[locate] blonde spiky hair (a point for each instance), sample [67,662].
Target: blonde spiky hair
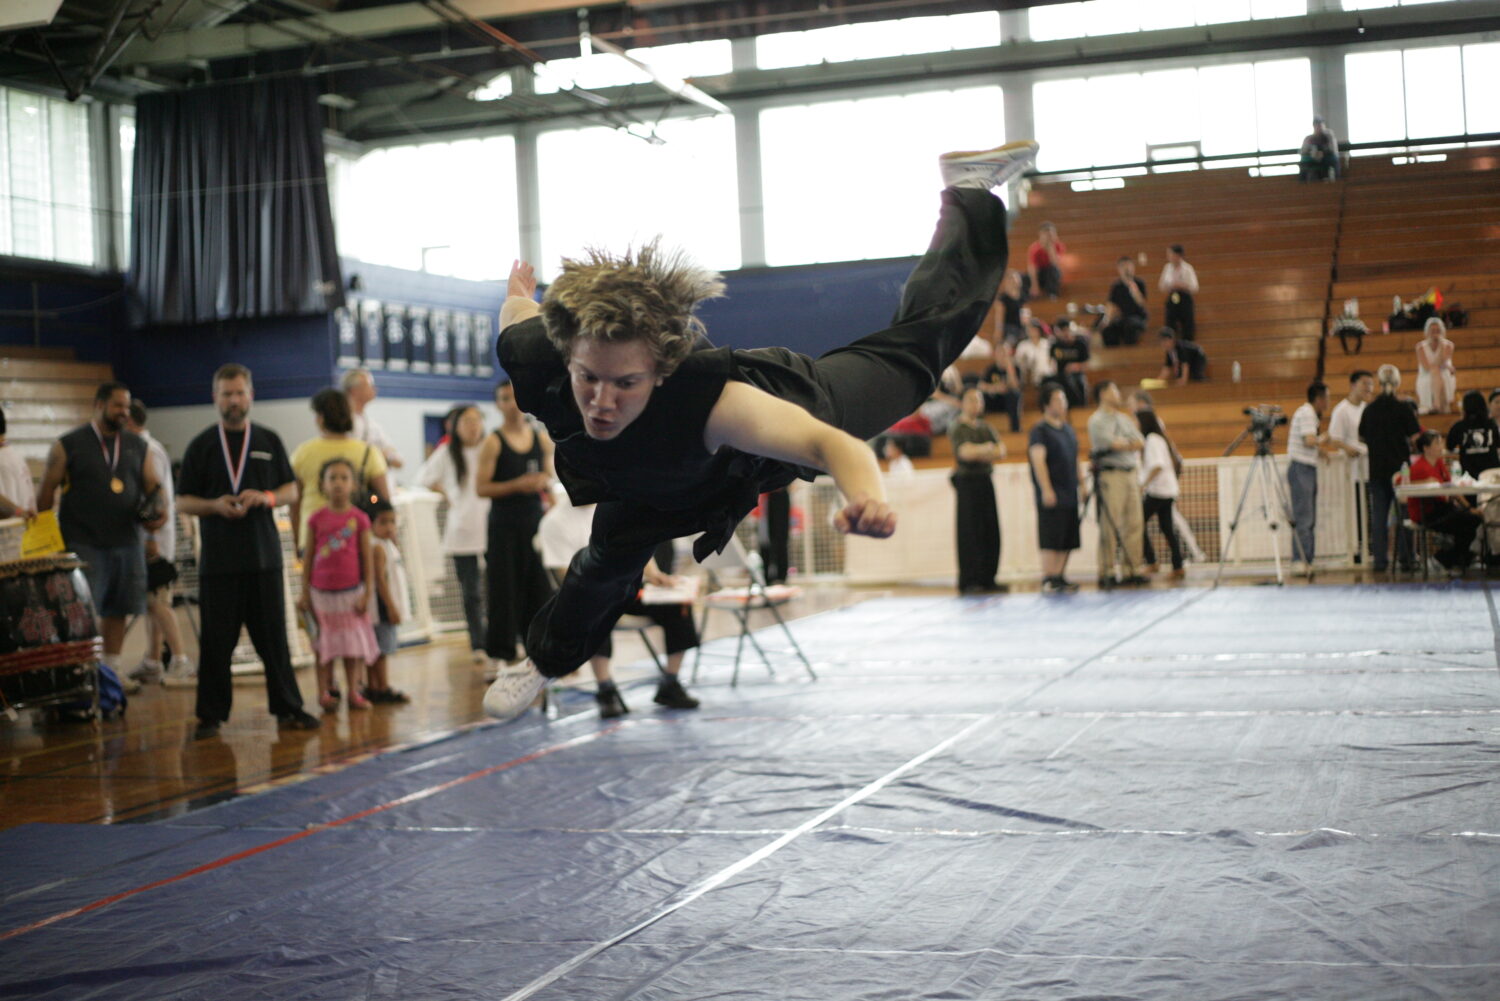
[647,294]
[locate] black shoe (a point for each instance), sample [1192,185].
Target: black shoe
[611,705]
[1134,580]
[298,720]
[997,588]
[671,694]
[1107,581]
[206,728]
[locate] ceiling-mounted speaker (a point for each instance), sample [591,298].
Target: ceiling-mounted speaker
[17,14]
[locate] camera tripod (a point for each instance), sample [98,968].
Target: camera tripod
[1263,472]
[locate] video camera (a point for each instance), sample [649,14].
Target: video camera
[1264,420]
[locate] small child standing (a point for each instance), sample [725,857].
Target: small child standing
[338,577]
[390,599]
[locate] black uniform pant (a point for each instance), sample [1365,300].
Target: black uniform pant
[516,583]
[867,387]
[976,530]
[252,600]
[1180,315]
[1160,508]
[776,530]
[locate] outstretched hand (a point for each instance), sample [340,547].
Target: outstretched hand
[864,516]
[522,280]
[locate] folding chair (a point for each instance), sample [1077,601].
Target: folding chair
[740,602]
[637,624]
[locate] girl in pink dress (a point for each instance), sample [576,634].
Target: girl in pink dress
[337,581]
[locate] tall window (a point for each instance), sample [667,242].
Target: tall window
[907,36]
[853,180]
[1118,17]
[447,208]
[606,188]
[126,139]
[1420,93]
[1111,119]
[1370,4]
[46,198]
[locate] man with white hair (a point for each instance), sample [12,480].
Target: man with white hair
[1388,427]
[359,385]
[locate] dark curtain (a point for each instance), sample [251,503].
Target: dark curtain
[230,214]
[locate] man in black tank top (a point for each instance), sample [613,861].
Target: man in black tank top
[103,473]
[672,438]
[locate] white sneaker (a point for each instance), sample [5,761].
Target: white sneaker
[184,668]
[147,672]
[513,691]
[988,168]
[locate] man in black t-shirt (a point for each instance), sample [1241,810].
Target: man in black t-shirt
[1053,454]
[1070,355]
[1184,359]
[1387,427]
[234,476]
[1125,315]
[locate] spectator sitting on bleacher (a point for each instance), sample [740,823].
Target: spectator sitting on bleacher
[1125,315]
[1001,387]
[1454,517]
[897,465]
[1437,379]
[1474,437]
[1184,359]
[1320,154]
[1011,299]
[1179,283]
[1494,401]
[1044,264]
[1034,355]
[1070,356]
[1350,325]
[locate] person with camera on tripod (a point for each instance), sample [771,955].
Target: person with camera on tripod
[1115,445]
[1305,448]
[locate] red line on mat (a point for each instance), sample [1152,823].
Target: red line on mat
[220,863]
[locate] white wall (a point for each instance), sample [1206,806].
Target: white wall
[402,420]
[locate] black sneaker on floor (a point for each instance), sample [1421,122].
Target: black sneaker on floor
[671,694]
[611,704]
[298,720]
[1134,580]
[1107,581]
[206,728]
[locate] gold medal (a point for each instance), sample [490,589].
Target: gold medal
[117,485]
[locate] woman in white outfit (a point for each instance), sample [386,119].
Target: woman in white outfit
[1437,379]
[450,471]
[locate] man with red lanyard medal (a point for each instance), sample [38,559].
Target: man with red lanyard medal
[104,478]
[234,475]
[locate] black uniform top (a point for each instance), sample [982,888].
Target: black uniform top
[1075,349]
[517,509]
[1061,444]
[1387,426]
[659,460]
[1477,443]
[91,513]
[243,544]
[980,433]
[1121,297]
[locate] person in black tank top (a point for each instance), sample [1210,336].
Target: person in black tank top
[514,480]
[672,437]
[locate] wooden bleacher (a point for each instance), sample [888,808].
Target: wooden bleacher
[1409,227]
[1264,252]
[45,393]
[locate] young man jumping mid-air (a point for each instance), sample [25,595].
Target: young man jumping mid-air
[672,437]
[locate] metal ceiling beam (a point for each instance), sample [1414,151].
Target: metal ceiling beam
[1351,28]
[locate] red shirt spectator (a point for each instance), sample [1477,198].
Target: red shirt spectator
[1039,256]
[1418,508]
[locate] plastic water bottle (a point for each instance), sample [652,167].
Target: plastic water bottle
[1234,372]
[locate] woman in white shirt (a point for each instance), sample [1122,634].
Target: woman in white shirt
[1159,482]
[1034,356]
[1179,282]
[450,471]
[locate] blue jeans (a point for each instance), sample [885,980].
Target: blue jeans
[1382,499]
[1303,480]
[466,569]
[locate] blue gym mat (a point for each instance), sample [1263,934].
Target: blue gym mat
[1236,794]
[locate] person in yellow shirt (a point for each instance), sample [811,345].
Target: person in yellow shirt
[335,441]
